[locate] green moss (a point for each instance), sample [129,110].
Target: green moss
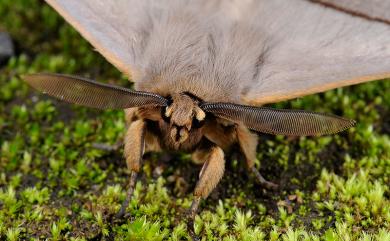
[55,185]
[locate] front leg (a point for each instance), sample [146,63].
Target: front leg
[210,175]
[248,144]
[134,149]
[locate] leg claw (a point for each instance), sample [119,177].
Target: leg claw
[262,181]
[129,194]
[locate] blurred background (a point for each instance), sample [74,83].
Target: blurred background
[54,184]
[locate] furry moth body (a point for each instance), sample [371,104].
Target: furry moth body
[200,67]
[185,122]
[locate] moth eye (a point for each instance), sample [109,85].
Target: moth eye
[196,123]
[169,99]
[164,116]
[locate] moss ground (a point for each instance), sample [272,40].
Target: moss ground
[54,185]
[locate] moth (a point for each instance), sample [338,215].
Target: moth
[202,70]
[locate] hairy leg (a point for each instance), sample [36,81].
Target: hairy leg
[134,149]
[210,175]
[221,132]
[248,143]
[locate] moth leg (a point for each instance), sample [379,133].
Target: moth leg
[220,132]
[134,149]
[210,175]
[107,147]
[199,156]
[248,143]
[202,152]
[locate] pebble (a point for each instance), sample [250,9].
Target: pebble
[6,47]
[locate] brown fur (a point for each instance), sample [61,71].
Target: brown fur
[248,144]
[206,142]
[220,132]
[134,145]
[211,173]
[199,155]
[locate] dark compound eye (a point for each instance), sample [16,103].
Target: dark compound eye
[169,99]
[196,123]
[164,117]
[163,110]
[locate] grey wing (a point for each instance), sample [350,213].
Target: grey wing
[312,47]
[163,45]
[117,29]
[120,30]
[377,10]
[240,51]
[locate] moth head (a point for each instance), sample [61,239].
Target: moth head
[183,114]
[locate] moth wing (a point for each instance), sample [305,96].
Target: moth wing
[110,26]
[308,47]
[313,47]
[374,10]
[120,29]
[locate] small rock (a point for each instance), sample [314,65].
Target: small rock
[6,47]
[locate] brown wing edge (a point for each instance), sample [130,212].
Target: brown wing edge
[313,90]
[375,16]
[95,43]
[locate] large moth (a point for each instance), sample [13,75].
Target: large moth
[202,69]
